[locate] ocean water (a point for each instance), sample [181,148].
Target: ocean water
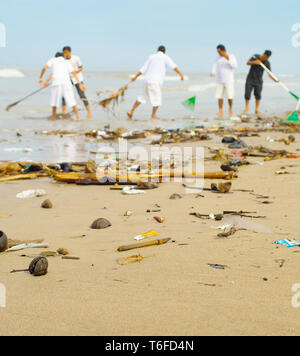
[32,115]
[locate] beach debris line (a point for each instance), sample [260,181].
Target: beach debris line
[38,267]
[143,244]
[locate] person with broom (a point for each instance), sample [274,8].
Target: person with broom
[61,84]
[77,65]
[255,79]
[154,71]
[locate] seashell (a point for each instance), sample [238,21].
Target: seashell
[175,196]
[47,204]
[39,266]
[100,224]
[159,219]
[3,242]
[128,213]
[63,251]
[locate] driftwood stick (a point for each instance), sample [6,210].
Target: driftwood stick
[143,244]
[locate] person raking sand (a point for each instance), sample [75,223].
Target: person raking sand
[255,79]
[61,84]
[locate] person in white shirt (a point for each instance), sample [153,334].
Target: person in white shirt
[77,65]
[154,71]
[223,69]
[61,84]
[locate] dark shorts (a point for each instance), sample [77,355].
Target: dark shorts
[256,86]
[81,95]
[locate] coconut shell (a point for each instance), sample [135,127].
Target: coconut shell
[47,204]
[100,224]
[3,242]
[39,266]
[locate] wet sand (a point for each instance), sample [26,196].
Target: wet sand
[171,292]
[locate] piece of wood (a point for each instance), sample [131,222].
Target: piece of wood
[143,244]
[18,177]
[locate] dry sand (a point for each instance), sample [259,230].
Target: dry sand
[173,291]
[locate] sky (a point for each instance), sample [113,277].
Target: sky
[121,34]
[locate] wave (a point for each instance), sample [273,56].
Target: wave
[201,88]
[11,73]
[168,78]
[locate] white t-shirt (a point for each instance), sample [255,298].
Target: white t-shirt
[61,70]
[154,70]
[76,63]
[224,69]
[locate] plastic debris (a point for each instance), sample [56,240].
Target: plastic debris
[288,243]
[31,194]
[132,191]
[146,236]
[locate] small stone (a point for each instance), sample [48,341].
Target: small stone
[47,204]
[63,251]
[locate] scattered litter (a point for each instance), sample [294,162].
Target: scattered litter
[128,260]
[288,243]
[70,258]
[217,266]
[132,191]
[143,244]
[160,220]
[175,196]
[63,251]
[38,267]
[146,236]
[31,193]
[280,262]
[233,221]
[232,231]
[25,246]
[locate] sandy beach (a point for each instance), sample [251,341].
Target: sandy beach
[173,291]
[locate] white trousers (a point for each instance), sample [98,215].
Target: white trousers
[223,88]
[152,92]
[62,91]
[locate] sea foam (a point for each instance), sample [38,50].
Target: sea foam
[11,73]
